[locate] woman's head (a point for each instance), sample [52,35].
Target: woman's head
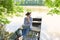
[28,14]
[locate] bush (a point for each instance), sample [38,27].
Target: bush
[18,9]
[54,4]
[3,16]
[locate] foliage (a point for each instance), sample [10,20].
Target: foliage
[18,2]
[8,4]
[8,8]
[28,10]
[3,16]
[18,9]
[54,5]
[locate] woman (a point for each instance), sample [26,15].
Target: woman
[27,24]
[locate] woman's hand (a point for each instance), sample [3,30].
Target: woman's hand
[28,19]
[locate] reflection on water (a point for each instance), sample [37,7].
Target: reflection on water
[50,27]
[16,23]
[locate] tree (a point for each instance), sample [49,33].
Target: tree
[6,6]
[6,10]
[54,5]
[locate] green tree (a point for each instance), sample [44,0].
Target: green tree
[54,5]
[7,9]
[8,4]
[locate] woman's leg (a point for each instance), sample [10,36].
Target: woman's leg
[24,33]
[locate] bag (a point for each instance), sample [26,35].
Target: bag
[25,27]
[19,33]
